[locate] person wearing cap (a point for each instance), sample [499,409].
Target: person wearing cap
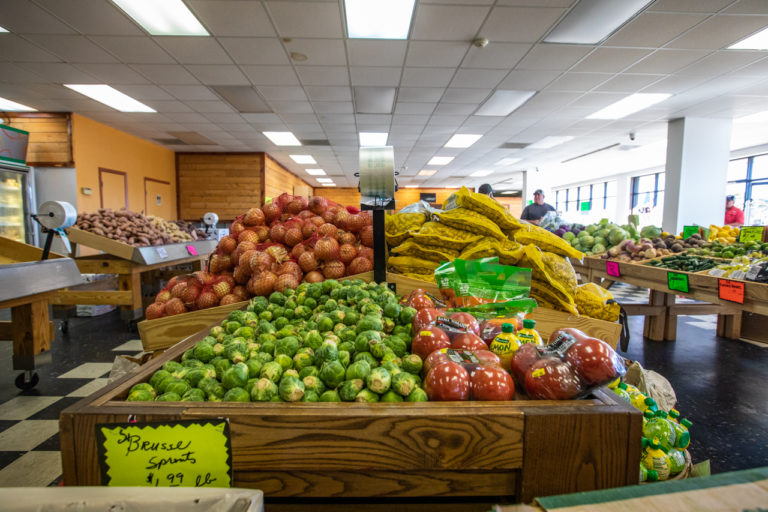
[535,211]
[486,189]
[733,215]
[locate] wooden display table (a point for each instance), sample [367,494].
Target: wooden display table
[316,456]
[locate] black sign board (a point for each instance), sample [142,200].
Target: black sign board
[428,197]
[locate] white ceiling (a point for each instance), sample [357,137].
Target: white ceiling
[440,78]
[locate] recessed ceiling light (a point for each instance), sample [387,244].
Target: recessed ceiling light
[324,180]
[3,30]
[110,97]
[15,107]
[329,184]
[378,19]
[426,172]
[480,174]
[440,160]
[503,103]
[508,161]
[316,172]
[758,41]
[629,105]
[303,159]
[373,138]
[282,138]
[163,17]
[591,21]
[550,142]
[759,117]
[412,186]
[462,140]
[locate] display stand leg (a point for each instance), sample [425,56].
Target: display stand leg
[132,283]
[729,326]
[655,326]
[379,248]
[670,326]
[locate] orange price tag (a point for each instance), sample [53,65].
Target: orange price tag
[732,291]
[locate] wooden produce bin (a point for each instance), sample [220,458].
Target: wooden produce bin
[331,456]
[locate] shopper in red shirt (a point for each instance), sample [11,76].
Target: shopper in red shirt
[733,216]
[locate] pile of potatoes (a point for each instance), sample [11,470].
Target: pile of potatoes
[125,226]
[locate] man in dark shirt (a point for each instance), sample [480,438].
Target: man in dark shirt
[534,212]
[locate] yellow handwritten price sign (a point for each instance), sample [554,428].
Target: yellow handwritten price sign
[173,454]
[751,234]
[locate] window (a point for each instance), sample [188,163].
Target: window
[600,199]
[759,167]
[648,198]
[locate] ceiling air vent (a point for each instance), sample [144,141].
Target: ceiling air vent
[315,142]
[171,142]
[514,145]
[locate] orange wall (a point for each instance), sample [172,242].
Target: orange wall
[96,145]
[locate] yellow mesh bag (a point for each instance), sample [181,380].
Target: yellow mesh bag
[485,248]
[400,226]
[486,206]
[427,278]
[544,293]
[411,247]
[595,301]
[464,218]
[510,252]
[546,241]
[441,235]
[411,265]
[557,272]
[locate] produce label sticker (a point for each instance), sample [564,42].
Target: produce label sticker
[162,252]
[751,234]
[690,231]
[173,454]
[612,268]
[732,291]
[677,281]
[191,250]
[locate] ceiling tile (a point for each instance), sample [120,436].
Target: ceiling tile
[719,31]
[447,23]
[233,18]
[721,62]
[597,100]
[92,18]
[414,108]
[367,52]
[675,84]
[168,106]
[578,81]
[271,75]
[375,76]
[321,93]
[333,107]
[495,56]
[607,60]
[519,24]
[233,119]
[748,7]
[410,119]
[72,48]
[759,68]
[113,73]
[205,107]
[461,95]
[190,92]
[24,17]
[323,75]
[436,53]
[628,82]
[146,92]
[195,50]
[11,73]
[219,75]
[134,50]
[306,19]
[416,94]
[59,73]
[654,29]
[427,77]
[165,74]
[526,80]
[478,77]
[537,3]
[689,5]
[14,48]
[320,52]
[553,56]
[255,50]
[667,61]
[276,92]
[337,119]
[455,108]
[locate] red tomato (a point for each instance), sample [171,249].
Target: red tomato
[424,319]
[472,325]
[447,382]
[491,383]
[523,359]
[488,358]
[428,340]
[468,341]
[551,379]
[489,330]
[420,302]
[594,361]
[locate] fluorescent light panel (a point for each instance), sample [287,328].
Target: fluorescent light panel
[111,97]
[303,159]
[758,41]
[550,142]
[503,103]
[412,186]
[462,140]
[316,172]
[3,30]
[329,184]
[426,172]
[373,138]
[282,138]
[378,19]
[8,105]
[163,17]
[591,21]
[508,161]
[374,100]
[440,160]
[629,105]
[324,180]
[480,174]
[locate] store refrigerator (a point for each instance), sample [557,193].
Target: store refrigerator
[17,187]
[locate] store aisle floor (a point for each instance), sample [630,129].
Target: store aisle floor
[720,386]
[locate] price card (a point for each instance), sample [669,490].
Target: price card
[191,250]
[161,252]
[690,230]
[732,291]
[751,234]
[677,281]
[173,454]
[612,268]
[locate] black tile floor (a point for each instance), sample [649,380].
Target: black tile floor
[721,386]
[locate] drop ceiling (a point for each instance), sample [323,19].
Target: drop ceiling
[421,91]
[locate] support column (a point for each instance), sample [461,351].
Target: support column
[698,150]
[623,191]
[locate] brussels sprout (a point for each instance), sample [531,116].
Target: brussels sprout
[218,350]
[165,383]
[195,376]
[236,352]
[344,358]
[367,395]
[265,327]
[221,366]
[404,383]
[188,354]
[272,371]
[168,397]
[391,396]
[417,395]
[331,306]
[265,315]
[291,389]
[280,322]
[401,330]
[313,383]
[144,386]
[284,361]
[390,357]
[193,395]
[347,335]
[235,377]
[362,340]
[392,310]
[277,298]
[140,395]
[370,323]
[332,374]
[311,302]
[347,346]
[302,360]
[208,385]
[330,395]
[172,366]
[263,391]
[358,370]
[264,357]
[192,364]
[350,388]
[392,367]
[288,346]
[406,315]
[236,395]
[217,332]
[290,372]
[313,339]
[231,326]
[378,380]
[325,324]
[327,352]
[372,362]
[302,312]
[309,370]
[372,310]
[181,374]
[377,349]
[389,325]
[245,332]
[254,367]
[310,396]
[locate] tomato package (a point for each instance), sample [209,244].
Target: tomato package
[457,375]
[481,281]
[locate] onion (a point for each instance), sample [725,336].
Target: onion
[314,277]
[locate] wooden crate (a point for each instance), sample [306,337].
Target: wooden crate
[304,454]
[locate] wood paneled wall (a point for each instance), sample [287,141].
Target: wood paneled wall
[513,204]
[50,138]
[345,196]
[279,180]
[225,183]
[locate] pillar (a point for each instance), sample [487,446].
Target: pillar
[698,150]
